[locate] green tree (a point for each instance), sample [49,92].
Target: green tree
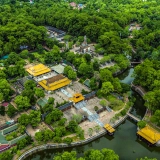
[39,92]
[67,69]
[141,124]
[93,155]
[156,117]
[22,103]
[67,140]
[106,88]
[2,110]
[109,154]
[103,102]
[62,122]
[24,54]
[146,158]
[2,74]
[57,139]
[90,131]
[66,156]
[88,57]
[39,136]
[97,128]
[5,90]
[7,155]
[48,135]
[77,118]
[34,118]
[55,115]
[11,110]
[80,132]
[29,84]
[72,126]
[72,75]
[24,119]
[85,70]
[106,75]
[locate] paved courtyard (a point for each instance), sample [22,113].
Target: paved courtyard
[32,131]
[77,87]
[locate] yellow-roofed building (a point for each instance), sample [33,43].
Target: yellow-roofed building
[110,129]
[38,70]
[150,134]
[77,97]
[55,82]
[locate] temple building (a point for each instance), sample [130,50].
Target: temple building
[77,97]
[55,82]
[110,130]
[38,70]
[149,134]
[84,48]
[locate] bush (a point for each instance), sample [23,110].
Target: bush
[141,124]
[96,108]
[57,139]
[123,112]
[68,140]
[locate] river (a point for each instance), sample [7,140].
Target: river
[124,142]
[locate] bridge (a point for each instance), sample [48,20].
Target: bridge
[136,62]
[133,117]
[138,89]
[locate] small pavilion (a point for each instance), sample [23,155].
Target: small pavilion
[109,129]
[149,134]
[38,70]
[77,97]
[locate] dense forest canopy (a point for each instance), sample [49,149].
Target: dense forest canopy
[104,22]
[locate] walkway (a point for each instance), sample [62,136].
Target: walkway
[138,89]
[133,117]
[93,117]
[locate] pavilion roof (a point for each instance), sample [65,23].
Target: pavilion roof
[54,79]
[58,68]
[55,82]
[150,134]
[38,70]
[109,128]
[77,97]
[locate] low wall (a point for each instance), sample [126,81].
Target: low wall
[73,144]
[61,145]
